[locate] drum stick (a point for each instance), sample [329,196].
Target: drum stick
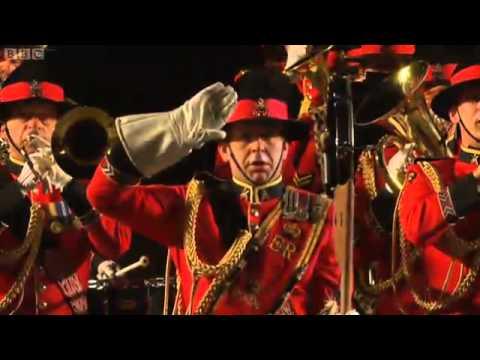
[142,263]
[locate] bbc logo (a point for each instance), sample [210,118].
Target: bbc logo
[24,53]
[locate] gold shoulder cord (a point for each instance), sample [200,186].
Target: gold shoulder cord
[367,167]
[381,286]
[314,236]
[178,304]
[33,237]
[197,266]
[467,282]
[9,257]
[432,176]
[223,270]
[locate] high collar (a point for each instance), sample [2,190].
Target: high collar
[257,194]
[14,166]
[469,155]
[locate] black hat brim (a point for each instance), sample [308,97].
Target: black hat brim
[443,102]
[62,107]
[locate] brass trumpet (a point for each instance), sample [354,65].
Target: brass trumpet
[81,139]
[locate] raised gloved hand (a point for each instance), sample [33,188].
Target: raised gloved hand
[295,53]
[45,165]
[154,142]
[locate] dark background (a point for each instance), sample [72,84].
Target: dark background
[136,79]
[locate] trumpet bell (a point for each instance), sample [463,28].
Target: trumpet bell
[81,139]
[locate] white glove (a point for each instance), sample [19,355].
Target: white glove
[295,53]
[154,142]
[45,165]
[27,178]
[107,270]
[333,308]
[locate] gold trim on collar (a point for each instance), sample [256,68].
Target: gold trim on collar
[253,191]
[470,151]
[17,162]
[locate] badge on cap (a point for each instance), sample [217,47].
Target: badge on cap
[36,89]
[261,108]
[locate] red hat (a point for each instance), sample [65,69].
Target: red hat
[25,90]
[383,58]
[463,78]
[30,82]
[368,50]
[438,74]
[263,99]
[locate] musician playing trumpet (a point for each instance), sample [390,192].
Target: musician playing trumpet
[45,253]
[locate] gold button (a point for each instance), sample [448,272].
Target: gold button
[43,287]
[56,227]
[255,213]
[43,305]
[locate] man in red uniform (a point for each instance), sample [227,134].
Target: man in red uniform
[45,251]
[375,203]
[245,246]
[438,210]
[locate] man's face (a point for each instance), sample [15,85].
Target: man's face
[29,119]
[468,110]
[258,150]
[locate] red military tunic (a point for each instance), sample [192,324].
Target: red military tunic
[288,267]
[438,212]
[58,281]
[301,167]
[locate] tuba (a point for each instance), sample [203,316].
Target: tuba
[399,106]
[81,139]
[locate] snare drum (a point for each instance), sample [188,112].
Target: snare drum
[131,297]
